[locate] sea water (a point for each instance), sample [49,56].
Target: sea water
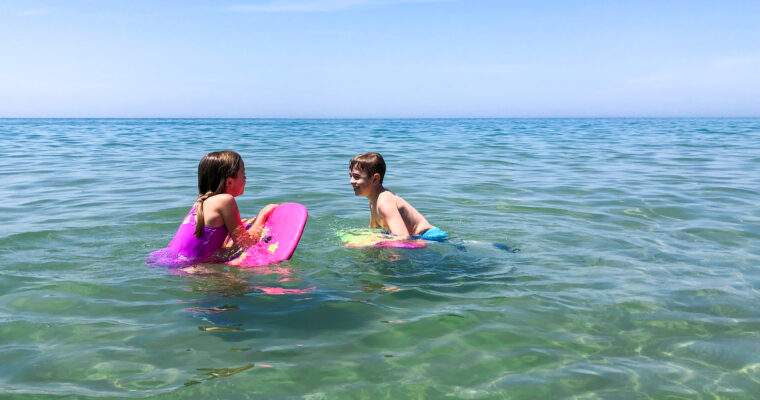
[588,258]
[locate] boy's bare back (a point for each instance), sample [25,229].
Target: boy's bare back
[395,214]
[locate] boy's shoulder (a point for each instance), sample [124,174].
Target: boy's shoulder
[386,198]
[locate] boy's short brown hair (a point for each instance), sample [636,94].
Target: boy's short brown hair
[371,163]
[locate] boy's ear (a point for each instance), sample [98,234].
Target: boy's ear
[375,177]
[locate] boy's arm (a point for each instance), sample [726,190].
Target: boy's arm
[389,212]
[373,222]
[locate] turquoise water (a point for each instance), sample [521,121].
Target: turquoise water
[590,258]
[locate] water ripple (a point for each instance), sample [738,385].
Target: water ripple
[589,258]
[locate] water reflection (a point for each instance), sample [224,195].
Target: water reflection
[217,282]
[226,281]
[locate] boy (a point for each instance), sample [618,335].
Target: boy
[386,209]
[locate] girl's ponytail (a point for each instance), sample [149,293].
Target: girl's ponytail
[200,223]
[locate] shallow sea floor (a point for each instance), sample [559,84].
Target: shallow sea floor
[589,258]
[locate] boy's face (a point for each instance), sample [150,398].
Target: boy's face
[361,182]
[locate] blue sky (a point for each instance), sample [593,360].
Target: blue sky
[379,58]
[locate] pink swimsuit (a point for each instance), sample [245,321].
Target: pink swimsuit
[186,249]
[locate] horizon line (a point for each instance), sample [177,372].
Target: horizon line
[408,118]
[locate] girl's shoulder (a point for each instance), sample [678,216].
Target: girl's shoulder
[220,200]
[216,207]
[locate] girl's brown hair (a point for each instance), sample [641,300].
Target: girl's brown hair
[213,171]
[371,163]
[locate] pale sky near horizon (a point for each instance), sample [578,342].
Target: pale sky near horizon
[379,58]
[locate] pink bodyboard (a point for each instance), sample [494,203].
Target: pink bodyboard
[279,237]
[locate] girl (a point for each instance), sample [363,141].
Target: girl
[214,216]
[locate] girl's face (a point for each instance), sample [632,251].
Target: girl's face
[235,186]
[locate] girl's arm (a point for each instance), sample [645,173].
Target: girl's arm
[255,230]
[228,208]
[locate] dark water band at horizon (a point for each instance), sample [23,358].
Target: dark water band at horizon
[637,271]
